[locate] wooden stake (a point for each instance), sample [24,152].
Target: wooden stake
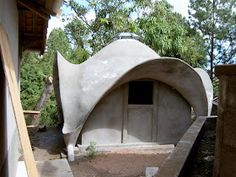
[16,103]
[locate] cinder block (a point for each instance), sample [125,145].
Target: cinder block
[151,171]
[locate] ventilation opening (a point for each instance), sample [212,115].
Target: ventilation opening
[140,92]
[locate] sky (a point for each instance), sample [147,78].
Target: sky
[180,6]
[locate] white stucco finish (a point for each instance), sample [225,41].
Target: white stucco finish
[82,86]
[9,20]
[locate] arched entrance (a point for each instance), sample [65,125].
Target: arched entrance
[140,111]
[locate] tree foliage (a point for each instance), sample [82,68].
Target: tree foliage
[35,69]
[165,31]
[168,33]
[216,22]
[111,17]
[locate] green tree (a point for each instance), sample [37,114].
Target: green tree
[36,69]
[166,32]
[111,17]
[216,22]
[169,34]
[58,41]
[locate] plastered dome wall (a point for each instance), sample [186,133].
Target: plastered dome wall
[127,83]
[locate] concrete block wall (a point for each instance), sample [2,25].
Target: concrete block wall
[225,154]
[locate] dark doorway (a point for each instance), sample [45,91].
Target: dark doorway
[140,92]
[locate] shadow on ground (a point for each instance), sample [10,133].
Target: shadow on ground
[47,144]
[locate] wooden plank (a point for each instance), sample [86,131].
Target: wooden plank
[37,8]
[31,112]
[16,103]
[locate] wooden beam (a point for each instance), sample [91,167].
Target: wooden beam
[10,75]
[37,8]
[33,46]
[31,42]
[36,35]
[31,112]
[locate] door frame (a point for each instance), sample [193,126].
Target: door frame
[126,106]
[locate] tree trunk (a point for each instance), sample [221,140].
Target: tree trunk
[212,42]
[212,57]
[42,100]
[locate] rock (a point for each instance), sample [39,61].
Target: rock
[63,155]
[32,129]
[151,171]
[209,158]
[42,128]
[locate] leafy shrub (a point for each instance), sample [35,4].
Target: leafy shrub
[91,149]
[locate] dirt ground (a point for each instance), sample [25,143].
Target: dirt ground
[125,163]
[49,144]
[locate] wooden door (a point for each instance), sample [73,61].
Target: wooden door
[139,118]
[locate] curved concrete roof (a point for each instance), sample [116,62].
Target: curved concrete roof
[82,86]
[208,87]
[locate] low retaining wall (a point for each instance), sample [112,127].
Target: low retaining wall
[179,161]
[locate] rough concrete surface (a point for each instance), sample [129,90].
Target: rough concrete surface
[82,86]
[54,168]
[114,122]
[48,168]
[225,154]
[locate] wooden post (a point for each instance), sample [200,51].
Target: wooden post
[16,103]
[225,152]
